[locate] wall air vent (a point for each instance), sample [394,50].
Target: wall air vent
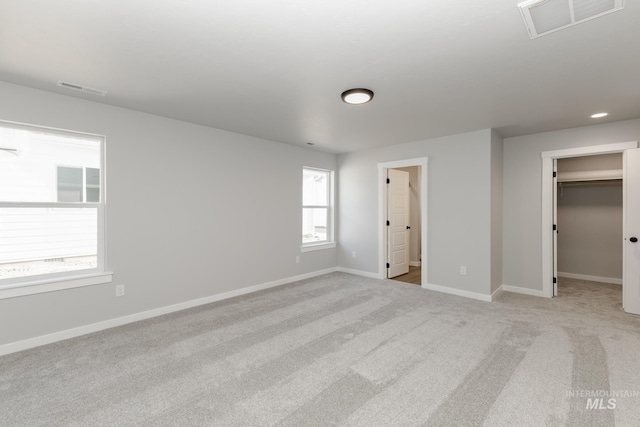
[542,17]
[81,88]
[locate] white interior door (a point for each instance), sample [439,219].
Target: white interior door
[631,233]
[398,225]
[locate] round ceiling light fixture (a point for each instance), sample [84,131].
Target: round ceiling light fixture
[599,115]
[357,96]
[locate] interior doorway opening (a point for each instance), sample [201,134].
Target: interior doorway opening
[631,218]
[403,213]
[589,218]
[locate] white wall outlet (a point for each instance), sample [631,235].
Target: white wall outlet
[353,254]
[463,270]
[297,259]
[119,290]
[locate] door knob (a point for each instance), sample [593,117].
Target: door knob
[633,239]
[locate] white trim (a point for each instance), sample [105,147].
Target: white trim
[523,291]
[112,323]
[317,246]
[361,273]
[591,150]
[52,285]
[547,200]
[58,131]
[415,263]
[591,278]
[457,292]
[423,163]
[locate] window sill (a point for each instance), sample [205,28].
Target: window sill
[317,247]
[54,284]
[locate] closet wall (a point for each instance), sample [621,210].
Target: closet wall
[590,221]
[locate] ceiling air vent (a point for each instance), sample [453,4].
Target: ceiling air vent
[84,89]
[542,17]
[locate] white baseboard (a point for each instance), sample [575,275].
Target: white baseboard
[360,273]
[112,323]
[458,292]
[591,278]
[415,263]
[524,291]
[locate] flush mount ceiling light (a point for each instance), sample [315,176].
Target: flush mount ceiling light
[599,115]
[357,96]
[542,17]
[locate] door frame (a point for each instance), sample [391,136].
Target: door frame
[422,162]
[548,157]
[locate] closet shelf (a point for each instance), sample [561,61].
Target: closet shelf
[601,175]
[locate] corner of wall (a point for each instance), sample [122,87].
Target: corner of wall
[497,166]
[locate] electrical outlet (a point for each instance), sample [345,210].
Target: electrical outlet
[297,259]
[119,290]
[353,254]
[463,270]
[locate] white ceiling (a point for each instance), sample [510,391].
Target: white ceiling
[275,69]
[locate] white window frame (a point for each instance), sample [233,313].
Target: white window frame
[330,242]
[36,284]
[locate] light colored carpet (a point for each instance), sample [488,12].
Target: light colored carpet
[343,350]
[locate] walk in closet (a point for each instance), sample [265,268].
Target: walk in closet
[589,209]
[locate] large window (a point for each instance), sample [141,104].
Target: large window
[317,209]
[51,205]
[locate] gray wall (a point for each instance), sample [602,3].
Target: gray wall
[522,220]
[459,208]
[194,212]
[191,212]
[497,147]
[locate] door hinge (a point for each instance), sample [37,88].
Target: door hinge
[555,280]
[388,181]
[388,266]
[555,174]
[388,223]
[555,227]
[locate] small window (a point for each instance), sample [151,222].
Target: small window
[78,184]
[51,210]
[317,209]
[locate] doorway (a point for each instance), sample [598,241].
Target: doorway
[631,215]
[589,211]
[403,219]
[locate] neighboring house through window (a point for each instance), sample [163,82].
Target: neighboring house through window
[78,184]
